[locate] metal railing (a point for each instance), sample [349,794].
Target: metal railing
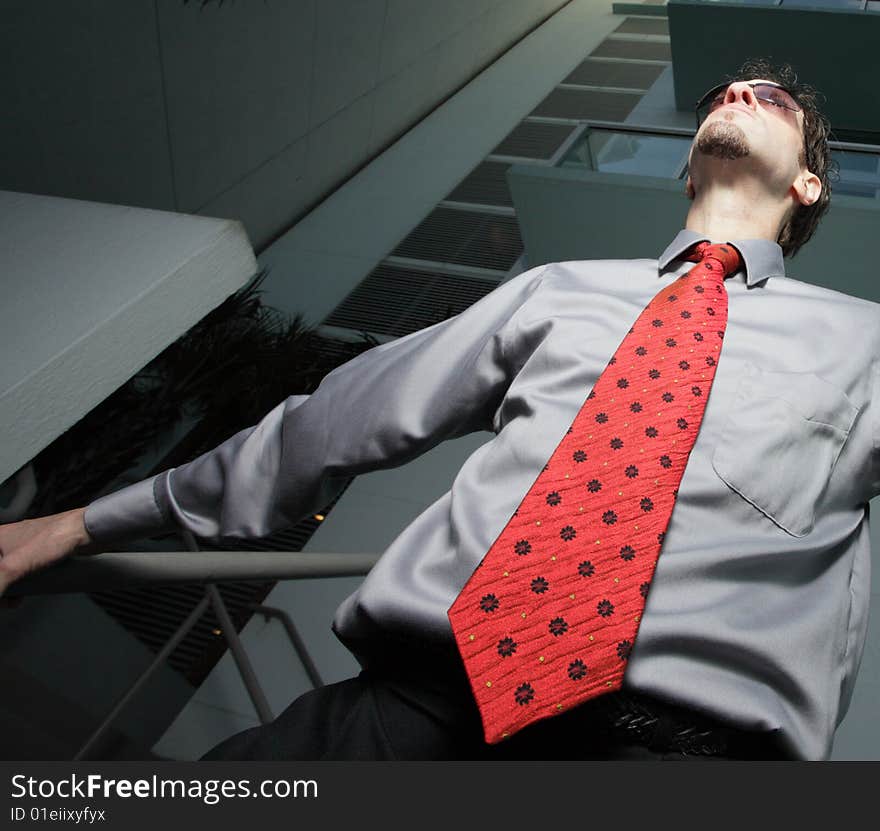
[104,572]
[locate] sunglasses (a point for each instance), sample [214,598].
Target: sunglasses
[770,95]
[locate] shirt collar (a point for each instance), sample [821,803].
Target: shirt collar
[762,257]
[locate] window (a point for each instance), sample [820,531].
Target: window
[642,154]
[859,174]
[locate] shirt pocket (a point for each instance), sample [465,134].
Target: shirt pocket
[781,441]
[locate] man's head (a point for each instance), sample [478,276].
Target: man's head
[788,149]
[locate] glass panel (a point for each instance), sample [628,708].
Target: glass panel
[747,2]
[826,4]
[635,153]
[859,174]
[643,154]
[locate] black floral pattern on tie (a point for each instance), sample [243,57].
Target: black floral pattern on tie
[524,693]
[539,585]
[577,669]
[506,647]
[558,626]
[489,603]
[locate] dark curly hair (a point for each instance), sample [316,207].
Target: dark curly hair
[815,153]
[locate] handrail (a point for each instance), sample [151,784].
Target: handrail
[141,681]
[117,570]
[123,570]
[690,132]
[296,641]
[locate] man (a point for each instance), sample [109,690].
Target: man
[756,615]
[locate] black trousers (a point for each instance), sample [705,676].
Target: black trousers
[404,712]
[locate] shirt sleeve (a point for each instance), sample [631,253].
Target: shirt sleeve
[381,409]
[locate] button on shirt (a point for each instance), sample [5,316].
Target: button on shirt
[757,611]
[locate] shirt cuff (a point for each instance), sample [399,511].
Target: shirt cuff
[128,514]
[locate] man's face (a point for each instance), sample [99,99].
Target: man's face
[769,138]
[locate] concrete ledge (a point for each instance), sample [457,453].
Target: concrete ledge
[91,293]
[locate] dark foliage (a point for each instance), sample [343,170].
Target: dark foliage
[225,374]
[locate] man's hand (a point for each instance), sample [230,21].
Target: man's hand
[32,544]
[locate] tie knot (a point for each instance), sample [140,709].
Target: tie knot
[724,254]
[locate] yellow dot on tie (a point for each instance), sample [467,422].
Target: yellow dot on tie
[581,508]
[592,638]
[702,374]
[659,411]
[541,659]
[571,597]
[554,560]
[673,441]
[590,436]
[566,476]
[504,735]
[692,350]
[598,542]
[644,389]
[607,683]
[637,527]
[620,493]
[642,450]
[662,357]
[675,380]
[471,637]
[616,579]
[523,614]
[507,574]
[656,481]
[638,617]
[626,424]
[558,706]
[537,522]
[488,683]
[612,399]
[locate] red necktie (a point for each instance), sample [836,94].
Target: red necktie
[549,617]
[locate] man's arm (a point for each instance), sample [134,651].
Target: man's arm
[379,410]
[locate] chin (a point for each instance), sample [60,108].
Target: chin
[722,140]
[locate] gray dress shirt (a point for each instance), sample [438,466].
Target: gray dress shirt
[757,612]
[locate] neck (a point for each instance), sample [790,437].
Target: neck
[723,212]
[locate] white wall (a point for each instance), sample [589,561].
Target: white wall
[253,110]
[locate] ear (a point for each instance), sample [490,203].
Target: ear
[807,188]
[689,188]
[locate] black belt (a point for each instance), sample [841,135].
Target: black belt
[625,716]
[635,718]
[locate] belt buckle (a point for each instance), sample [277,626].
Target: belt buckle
[688,740]
[633,720]
[658,727]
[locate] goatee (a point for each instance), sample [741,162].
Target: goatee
[724,140]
